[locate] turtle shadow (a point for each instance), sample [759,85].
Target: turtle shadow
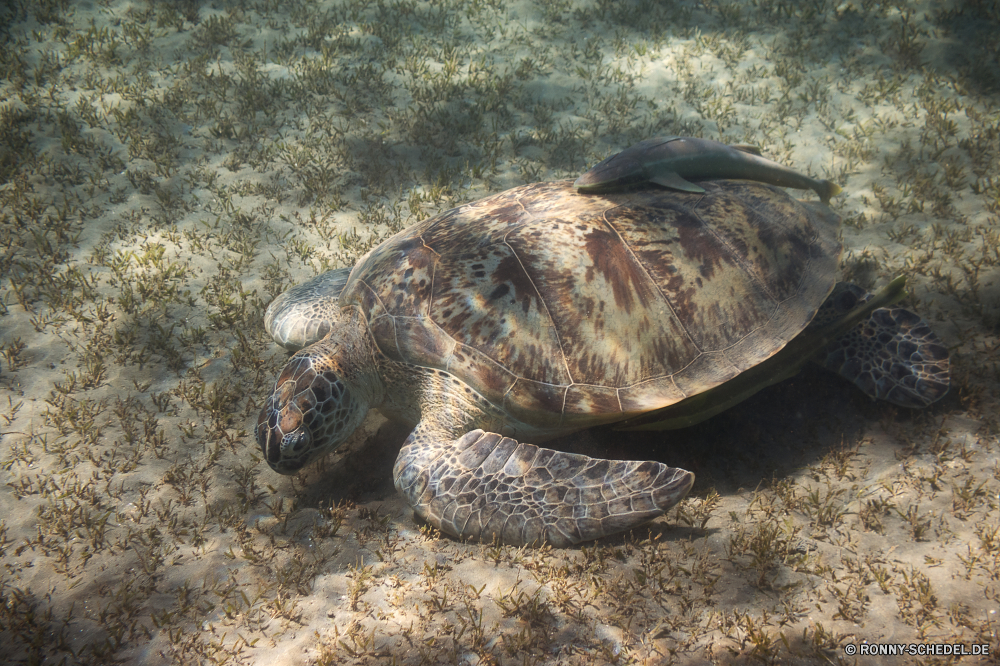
[781,429]
[360,471]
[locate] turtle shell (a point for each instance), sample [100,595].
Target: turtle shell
[568,309]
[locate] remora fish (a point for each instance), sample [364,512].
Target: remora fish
[670,160]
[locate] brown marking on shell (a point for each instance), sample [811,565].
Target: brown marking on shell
[651,295]
[487,301]
[616,264]
[511,279]
[400,274]
[606,340]
[421,342]
[596,400]
[493,380]
[715,277]
[535,402]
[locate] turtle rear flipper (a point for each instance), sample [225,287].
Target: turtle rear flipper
[484,486]
[893,355]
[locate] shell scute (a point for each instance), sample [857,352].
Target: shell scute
[493,380]
[499,314]
[420,342]
[384,329]
[589,399]
[400,274]
[536,402]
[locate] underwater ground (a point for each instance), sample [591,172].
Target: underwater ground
[168,166]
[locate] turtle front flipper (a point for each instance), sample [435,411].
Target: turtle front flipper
[892,355]
[483,486]
[307,312]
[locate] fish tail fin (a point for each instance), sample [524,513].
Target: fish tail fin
[827,189]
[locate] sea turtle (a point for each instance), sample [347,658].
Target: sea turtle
[540,311]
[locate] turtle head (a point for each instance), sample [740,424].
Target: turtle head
[311,410]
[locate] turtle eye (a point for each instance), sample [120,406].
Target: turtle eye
[294,448]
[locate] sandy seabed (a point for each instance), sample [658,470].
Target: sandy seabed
[168,167]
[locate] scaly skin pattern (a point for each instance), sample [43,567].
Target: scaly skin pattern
[893,355]
[480,485]
[305,313]
[486,487]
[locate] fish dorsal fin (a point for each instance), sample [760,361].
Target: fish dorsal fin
[744,148]
[673,181]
